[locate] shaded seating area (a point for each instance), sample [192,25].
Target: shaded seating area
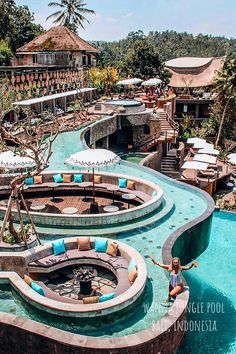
[80,184]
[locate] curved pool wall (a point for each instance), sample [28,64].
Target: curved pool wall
[192,207]
[212,296]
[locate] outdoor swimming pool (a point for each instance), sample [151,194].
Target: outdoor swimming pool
[213,287]
[133,157]
[124,103]
[188,205]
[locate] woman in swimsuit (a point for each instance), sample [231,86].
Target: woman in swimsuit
[176,279]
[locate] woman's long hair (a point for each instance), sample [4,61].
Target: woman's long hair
[171,267]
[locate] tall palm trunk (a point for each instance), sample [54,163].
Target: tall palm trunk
[222,122]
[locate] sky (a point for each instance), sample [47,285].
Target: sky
[114,19]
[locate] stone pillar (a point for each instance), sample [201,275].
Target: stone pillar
[106,142]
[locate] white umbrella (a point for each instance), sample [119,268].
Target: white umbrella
[204,158]
[195,165]
[129,82]
[209,150]
[12,161]
[93,158]
[195,140]
[152,82]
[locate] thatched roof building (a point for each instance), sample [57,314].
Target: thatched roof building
[193,72]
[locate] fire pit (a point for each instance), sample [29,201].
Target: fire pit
[84,276]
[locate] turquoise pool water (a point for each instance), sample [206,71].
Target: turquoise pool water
[213,288]
[133,157]
[124,103]
[207,289]
[188,205]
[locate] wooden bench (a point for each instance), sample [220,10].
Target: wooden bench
[143,197]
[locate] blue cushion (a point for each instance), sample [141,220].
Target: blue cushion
[37,288]
[132,264]
[58,178]
[58,247]
[122,183]
[29,181]
[107,297]
[154,193]
[78,178]
[100,245]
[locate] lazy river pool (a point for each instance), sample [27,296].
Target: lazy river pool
[188,205]
[212,300]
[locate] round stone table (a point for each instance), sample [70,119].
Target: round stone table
[84,185]
[113,189]
[111,209]
[69,210]
[128,198]
[37,207]
[53,185]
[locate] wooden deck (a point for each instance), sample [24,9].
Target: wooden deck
[57,204]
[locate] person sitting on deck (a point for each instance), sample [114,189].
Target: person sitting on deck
[175,269]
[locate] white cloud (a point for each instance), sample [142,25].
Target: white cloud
[129,14]
[111,19]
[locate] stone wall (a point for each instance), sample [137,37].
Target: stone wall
[153,160]
[102,129]
[193,242]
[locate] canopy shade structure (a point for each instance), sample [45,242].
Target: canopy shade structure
[195,165]
[204,158]
[93,158]
[129,82]
[195,140]
[209,150]
[202,145]
[12,161]
[56,96]
[152,82]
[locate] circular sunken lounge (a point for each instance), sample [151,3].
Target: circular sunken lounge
[122,264]
[68,203]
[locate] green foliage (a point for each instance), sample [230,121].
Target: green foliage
[167,45]
[10,239]
[225,86]
[5,53]
[17,24]
[171,44]
[141,61]
[104,79]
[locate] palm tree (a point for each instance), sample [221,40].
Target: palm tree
[70,13]
[225,85]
